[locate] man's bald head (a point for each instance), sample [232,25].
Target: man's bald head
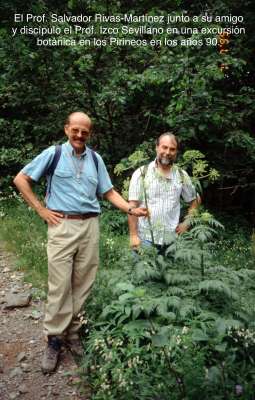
[168,134]
[78,115]
[78,128]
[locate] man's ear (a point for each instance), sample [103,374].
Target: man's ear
[66,129]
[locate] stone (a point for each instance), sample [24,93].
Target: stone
[1,363]
[21,357]
[26,367]
[13,395]
[17,300]
[15,289]
[48,384]
[15,372]
[23,388]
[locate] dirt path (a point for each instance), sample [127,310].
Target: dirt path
[22,344]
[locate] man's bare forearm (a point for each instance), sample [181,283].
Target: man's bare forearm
[117,200]
[24,185]
[132,225]
[132,220]
[184,226]
[194,204]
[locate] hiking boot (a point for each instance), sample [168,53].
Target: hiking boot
[51,354]
[75,347]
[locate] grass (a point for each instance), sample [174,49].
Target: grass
[25,235]
[234,246]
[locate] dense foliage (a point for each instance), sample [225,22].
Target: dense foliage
[133,93]
[181,324]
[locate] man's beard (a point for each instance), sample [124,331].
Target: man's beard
[165,161]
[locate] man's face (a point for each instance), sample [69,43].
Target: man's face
[78,131]
[166,151]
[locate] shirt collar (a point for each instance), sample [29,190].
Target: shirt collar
[155,167]
[71,150]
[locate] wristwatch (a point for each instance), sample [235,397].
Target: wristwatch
[130,210]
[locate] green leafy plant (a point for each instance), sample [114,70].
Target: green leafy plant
[191,159]
[180,316]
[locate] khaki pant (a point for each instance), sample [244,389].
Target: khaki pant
[72,265]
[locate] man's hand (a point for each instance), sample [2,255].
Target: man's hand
[139,212]
[24,184]
[134,241]
[184,226]
[181,228]
[51,217]
[117,200]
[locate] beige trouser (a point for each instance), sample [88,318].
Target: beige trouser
[72,265]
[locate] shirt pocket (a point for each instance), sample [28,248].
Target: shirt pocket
[63,173]
[175,191]
[91,189]
[62,179]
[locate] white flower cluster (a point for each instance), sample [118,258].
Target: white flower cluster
[134,362]
[122,382]
[114,342]
[99,344]
[12,195]
[110,243]
[107,356]
[243,334]
[178,339]
[105,385]
[185,330]
[82,319]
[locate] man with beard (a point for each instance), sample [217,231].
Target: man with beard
[71,212]
[164,184]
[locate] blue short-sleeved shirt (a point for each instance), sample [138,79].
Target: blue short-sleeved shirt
[75,182]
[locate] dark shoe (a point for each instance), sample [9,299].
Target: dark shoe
[75,347]
[51,354]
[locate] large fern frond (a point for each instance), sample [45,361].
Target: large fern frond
[214,285]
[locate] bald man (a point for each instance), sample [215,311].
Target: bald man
[71,212]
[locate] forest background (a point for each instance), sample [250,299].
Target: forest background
[133,93]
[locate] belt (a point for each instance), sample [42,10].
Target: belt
[78,216]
